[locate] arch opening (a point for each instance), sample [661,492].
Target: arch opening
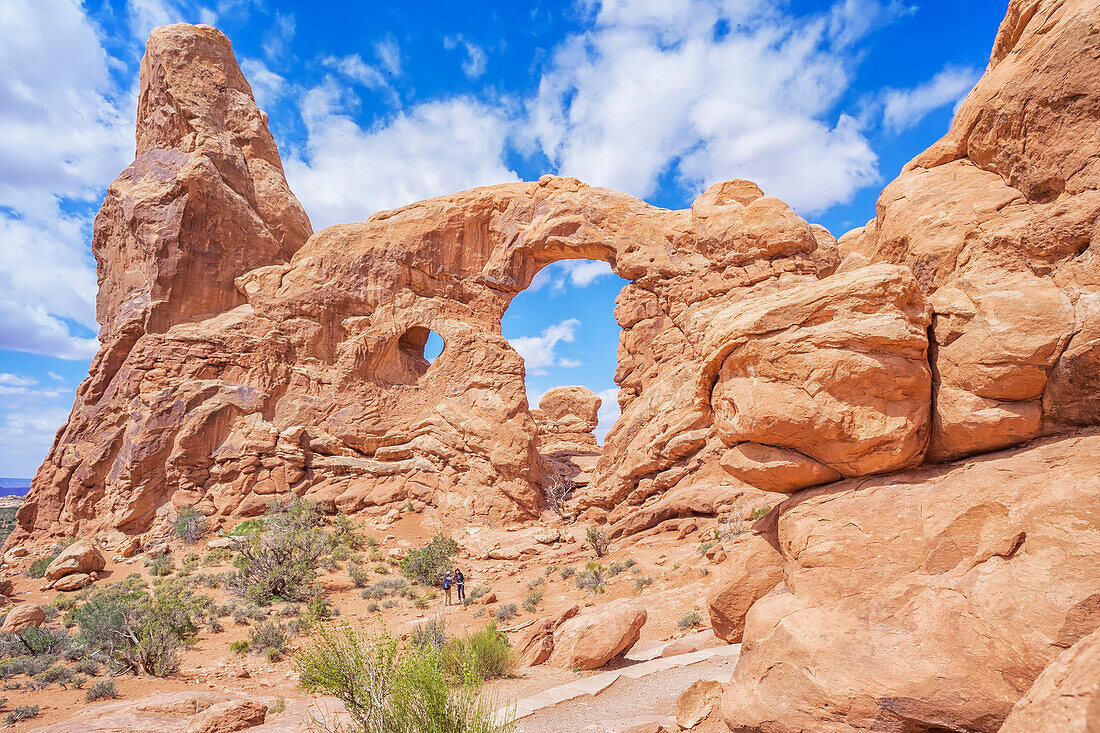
[563,325]
[418,348]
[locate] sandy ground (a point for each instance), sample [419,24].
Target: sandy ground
[680,575]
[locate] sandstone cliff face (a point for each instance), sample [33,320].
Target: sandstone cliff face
[932,599]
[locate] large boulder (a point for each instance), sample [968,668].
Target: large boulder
[229,716]
[23,617]
[1065,697]
[928,600]
[591,640]
[755,567]
[536,643]
[79,557]
[835,372]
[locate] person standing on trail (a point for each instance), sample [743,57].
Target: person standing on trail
[460,581]
[447,586]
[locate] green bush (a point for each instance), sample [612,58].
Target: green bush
[279,560]
[160,566]
[506,612]
[702,549]
[139,631]
[268,637]
[567,572]
[190,525]
[760,513]
[38,568]
[23,712]
[359,576]
[591,578]
[621,566]
[689,621]
[641,582]
[475,594]
[241,646]
[102,690]
[433,633]
[483,655]
[429,564]
[532,600]
[598,540]
[387,688]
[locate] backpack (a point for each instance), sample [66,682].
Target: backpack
[447,583]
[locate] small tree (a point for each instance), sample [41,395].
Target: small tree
[190,525]
[428,564]
[557,494]
[598,540]
[139,631]
[280,560]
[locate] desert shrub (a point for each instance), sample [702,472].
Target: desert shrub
[160,566]
[87,666]
[358,575]
[57,673]
[35,641]
[268,637]
[702,549]
[38,568]
[598,540]
[760,513]
[532,600]
[621,566]
[591,578]
[557,494]
[506,612]
[482,655]
[689,621]
[567,572]
[137,630]
[190,525]
[245,612]
[343,533]
[421,603]
[102,690]
[217,556]
[23,712]
[389,603]
[428,564]
[531,585]
[475,594]
[387,688]
[433,633]
[241,646]
[641,582]
[279,560]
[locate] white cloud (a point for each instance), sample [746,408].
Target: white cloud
[538,351]
[267,86]
[569,363]
[609,411]
[578,273]
[389,54]
[14,380]
[26,436]
[707,93]
[65,137]
[145,15]
[905,108]
[349,172]
[476,59]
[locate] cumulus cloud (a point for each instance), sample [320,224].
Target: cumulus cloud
[578,273]
[276,41]
[538,351]
[707,92]
[67,133]
[26,436]
[905,108]
[348,172]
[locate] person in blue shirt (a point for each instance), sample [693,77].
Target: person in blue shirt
[447,586]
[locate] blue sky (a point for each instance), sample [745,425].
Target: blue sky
[375,105]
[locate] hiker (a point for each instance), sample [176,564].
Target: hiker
[460,581]
[447,586]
